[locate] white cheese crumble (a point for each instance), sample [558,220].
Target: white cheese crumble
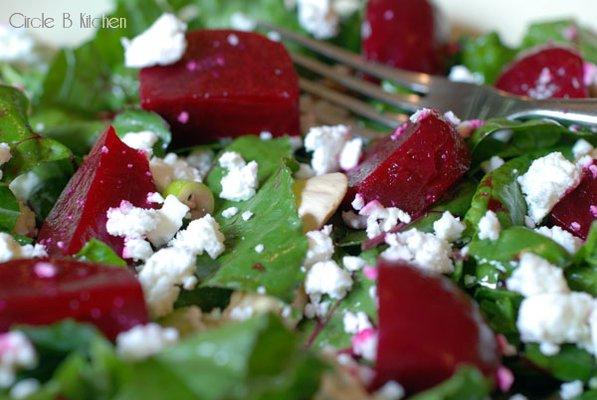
[136,249]
[358,203]
[423,250]
[460,73]
[25,224]
[171,168]
[242,22]
[355,322]
[246,215]
[581,148]
[327,278]
[201,235]
[229,212]
[163,43]
[564,238]
[16,352]
[552,319]
[259,248]
[24,388]
[534,276]
[143,140]
[364,344]
[143,341]
[155,197]
[353,220]
[448,227]
[321,247]
[304,172]
[571,390]
[319,18]
[5,155]
[163,274]
[546,182]
[489,226]
[130,221]
[10,249]
[327,144]
[201,160]
[240,182]
[381,219]
[353,263]
[169,219]
[391,390]
[351,154]
[492,164]
[23,185]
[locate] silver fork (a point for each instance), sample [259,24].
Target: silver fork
[467,101]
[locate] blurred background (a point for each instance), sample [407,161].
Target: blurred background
[508,17]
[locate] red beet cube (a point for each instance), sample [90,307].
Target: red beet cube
[427,329]
[228,83]
[577,210]
[405,34]
[546,72]
[44,291]
[414,167]
[112,172]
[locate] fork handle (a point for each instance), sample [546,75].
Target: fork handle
[577,111]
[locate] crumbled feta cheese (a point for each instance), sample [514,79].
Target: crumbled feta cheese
[155,197]
[381,219]
[351,154]
[24,388]
[355,322]
[319,18]
[571,390]
[169,219]
[143,341]
[16,45]
[564,238]
[424,250]
[24,185]
[201,235]
[143,140]
[201,160]
[5,155]
[130,221]
[246,215]
[448,227]
[304,172]
[345,8]
[16,352]
[452,118]
[489,226]
[391,390]
[163,43]
[136,249]
[554,318]
[492,164]
[364,344]
[358,203]
[163,274]
[259,248]
[242,22]
[229,212]
[321,247]
[172,168]
[326,277]
[420,115]
[327,144]
[460,73]
[534,275]
[240,182]
[265,135]
[10,249]
[518,396]
[546,182]
[581,148]
[352,263]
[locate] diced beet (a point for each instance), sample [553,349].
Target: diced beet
[414,167]
[577,210]
[44,291]
[112,172]
[427,329]
[227,84]
[545,72]
[405,34]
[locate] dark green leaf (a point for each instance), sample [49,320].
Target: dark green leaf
[500,309]
[96,251]
[570,364]
[467,383]
[487,55]
[9,209]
